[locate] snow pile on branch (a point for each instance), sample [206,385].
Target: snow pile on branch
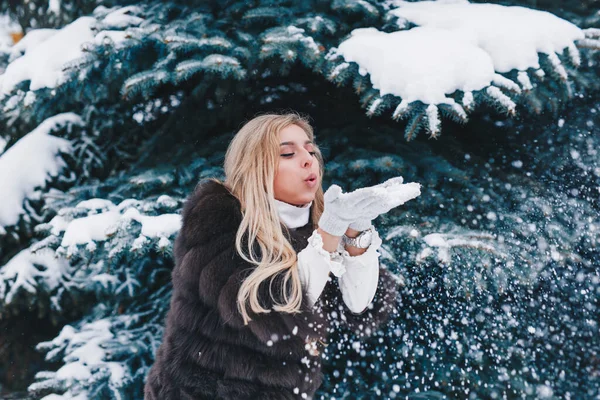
[457,46]
[47,51]
[100,226]
[419,64]
[22,270]
[512,36]
[28,163]
[87,359]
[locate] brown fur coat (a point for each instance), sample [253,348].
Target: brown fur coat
[207,352]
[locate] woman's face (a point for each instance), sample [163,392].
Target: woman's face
[297,161]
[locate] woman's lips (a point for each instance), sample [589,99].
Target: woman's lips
[312,180]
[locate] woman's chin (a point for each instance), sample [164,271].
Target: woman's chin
[304,200]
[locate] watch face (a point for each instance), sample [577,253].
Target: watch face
[365,239]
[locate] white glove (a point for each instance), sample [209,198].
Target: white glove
[341,209]
[364,224]
[402,192]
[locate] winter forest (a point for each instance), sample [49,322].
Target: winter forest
[113,110]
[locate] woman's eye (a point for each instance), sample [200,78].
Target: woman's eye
[291,154]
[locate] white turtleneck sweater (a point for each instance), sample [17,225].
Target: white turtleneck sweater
[357,275]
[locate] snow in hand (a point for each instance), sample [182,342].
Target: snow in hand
[456,46]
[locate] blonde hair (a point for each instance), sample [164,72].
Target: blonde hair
[251,163]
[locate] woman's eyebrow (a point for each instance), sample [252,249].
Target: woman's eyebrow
[284,143]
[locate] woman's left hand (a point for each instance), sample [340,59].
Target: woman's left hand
[402,193]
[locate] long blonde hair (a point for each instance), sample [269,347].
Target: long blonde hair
[251,163]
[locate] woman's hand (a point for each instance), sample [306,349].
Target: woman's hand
[365,203]
[402,193]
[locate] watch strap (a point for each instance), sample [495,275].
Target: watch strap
[354,242]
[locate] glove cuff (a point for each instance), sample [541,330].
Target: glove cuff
[360,225]
[332,225]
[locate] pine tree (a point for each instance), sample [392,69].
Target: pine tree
[112,113]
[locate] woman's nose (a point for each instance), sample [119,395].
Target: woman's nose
[308,159]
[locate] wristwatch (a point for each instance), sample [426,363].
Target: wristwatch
[362,241]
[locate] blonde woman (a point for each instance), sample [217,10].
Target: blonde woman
[254,299]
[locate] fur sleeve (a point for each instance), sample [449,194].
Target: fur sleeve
[202,249]
[273,326]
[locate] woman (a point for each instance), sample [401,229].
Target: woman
[253,300]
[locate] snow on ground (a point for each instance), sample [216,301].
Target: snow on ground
[28,163]
[456,46]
